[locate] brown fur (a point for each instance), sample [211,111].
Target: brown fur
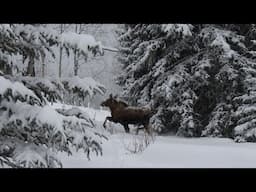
[125,115]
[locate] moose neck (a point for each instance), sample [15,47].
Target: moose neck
[113,108]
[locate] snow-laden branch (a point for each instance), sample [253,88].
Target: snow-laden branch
[16,90]
[86,85]
[105,48]
[82,42]
[185,29]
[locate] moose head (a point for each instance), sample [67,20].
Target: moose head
[111,101]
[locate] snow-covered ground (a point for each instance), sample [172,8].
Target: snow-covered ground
[163,151]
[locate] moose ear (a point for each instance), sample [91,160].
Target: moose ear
[110,96]
[116,96]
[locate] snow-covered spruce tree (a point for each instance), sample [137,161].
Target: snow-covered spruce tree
[192,76]
[245,113]
[150,54]
[234,115]
[32,132]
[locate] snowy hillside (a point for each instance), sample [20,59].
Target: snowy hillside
[164,152]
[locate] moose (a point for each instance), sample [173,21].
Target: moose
[124,114]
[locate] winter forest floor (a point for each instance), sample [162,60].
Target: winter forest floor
[162,152]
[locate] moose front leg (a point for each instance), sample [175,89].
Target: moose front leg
[107,118]
[126,128]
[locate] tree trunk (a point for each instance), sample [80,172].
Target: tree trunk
[78,29]
[5,68]
[60,62]
[31,67]
[75,63]
[43,65]
[61,31]
[75,55]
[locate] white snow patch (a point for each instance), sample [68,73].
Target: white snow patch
[169,152]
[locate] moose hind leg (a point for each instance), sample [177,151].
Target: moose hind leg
[139,128]
[126,128]
[147,128]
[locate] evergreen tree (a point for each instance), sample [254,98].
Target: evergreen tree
[196,76]
[32,132]
[244,114]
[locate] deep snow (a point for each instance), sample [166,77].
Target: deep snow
[163,152]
